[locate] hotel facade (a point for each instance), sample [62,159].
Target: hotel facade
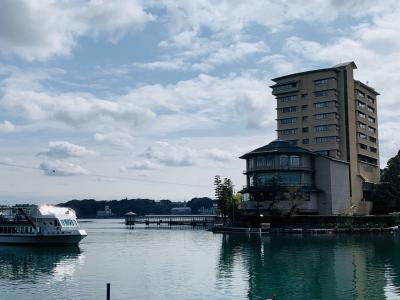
[330,114]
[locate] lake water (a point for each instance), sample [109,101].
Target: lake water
[196,264]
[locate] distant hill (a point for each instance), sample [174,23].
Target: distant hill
[87,208]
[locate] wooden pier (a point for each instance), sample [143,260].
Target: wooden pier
[170,220]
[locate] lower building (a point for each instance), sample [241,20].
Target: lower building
[284,177]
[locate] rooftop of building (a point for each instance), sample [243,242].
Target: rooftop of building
[275,146]
[367,87]
[282,146]
[334,68]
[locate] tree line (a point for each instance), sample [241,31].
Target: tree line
[87,208]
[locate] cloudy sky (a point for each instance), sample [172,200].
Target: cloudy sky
[130,98]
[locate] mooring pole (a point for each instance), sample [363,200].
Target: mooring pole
[108,291]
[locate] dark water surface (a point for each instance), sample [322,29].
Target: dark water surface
[196,264]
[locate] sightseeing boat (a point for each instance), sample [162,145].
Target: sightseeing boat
[45,224]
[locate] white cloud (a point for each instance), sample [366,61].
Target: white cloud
[142,165]
[167,64]
[164,153]
[62,168]
[170,155]
[230,54]
[6,127]
[62,149]
[217,155]
[77,110]
[120,139]
[41,29]
[207,102]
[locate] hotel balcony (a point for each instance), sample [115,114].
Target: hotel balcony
[278,168]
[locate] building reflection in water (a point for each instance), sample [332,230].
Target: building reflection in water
[312,267]
[33,263]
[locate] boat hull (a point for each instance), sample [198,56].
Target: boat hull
[41,239]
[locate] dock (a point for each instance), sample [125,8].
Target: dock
[170,220]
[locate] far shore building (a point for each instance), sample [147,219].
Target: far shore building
[328,112]
[324,179]
[106,213]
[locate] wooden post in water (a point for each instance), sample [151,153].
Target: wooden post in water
[108,291]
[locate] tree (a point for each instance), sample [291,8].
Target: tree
[386,195]
[227,201]
[275,193]
[295,196]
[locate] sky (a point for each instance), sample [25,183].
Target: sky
[152,99]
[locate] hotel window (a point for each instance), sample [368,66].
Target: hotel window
[304,107]
[372,139]
[361,104]
[367,159]
[371,119]
[251,163]
[269,161]
[370,109]
[260,162]
[283,161]
[321,93]
[294,161]
[321,81]
[370,99]
[360,94]
[304,119]
[361,115]
[325,139]
[322,104]
[291,179]
[306,141]
[362,146]
[284,87]
[322,116]
[288,120]
[321,128]
[305,129]
[371,129]
[288,131]
[373,149]
[362,125]
[362,136]
[287,98]
[288,109]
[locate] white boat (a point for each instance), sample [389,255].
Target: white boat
[45,224]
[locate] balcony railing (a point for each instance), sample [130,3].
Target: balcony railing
[266,186]
[279,168]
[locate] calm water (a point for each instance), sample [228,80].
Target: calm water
[195,264]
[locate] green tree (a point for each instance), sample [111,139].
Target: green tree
[295,196]
[228,203]
[386,195]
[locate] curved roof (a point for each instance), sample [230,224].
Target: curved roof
[130,214]
[275,146]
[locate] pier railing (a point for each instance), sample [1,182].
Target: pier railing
[170,220]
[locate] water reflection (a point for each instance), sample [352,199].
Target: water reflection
[313,267]
[32,263]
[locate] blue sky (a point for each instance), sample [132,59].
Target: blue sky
[115,99]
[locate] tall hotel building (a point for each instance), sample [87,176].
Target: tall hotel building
[329,112]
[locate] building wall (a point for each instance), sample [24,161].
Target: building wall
[332,178]
[342,138]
